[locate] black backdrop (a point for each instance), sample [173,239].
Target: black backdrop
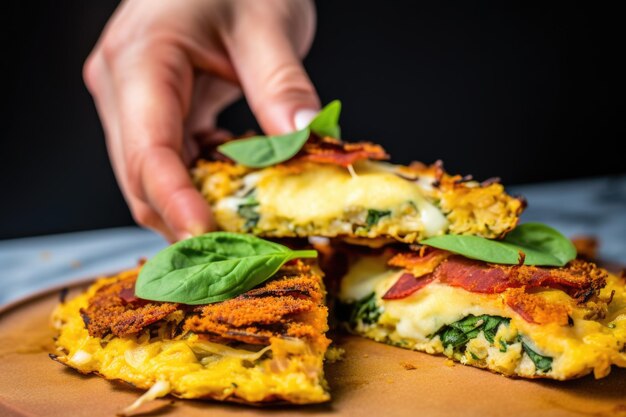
[526,92]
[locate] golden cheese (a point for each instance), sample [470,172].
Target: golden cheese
[336,191]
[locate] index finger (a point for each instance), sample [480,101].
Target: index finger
[153,88]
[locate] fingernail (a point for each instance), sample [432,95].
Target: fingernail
[191,232]
[196,230]
[303,117]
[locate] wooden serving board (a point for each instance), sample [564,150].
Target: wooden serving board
[372,380]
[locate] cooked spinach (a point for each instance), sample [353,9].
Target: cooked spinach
[504,346]
[542,363]
[365,310]
[248,210]
[460,332]
[374,216]
[457,335]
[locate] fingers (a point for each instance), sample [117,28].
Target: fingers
[268,65]
[151,88]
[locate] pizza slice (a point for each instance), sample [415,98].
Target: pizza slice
[266,345]
[517,320]
[338,189]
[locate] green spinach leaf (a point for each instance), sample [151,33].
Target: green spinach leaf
[540,244]
[248,210]
[457,334]
[213,267]
[326,123]
[542,363]
[374,216]
[365,310]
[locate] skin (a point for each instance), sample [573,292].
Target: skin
[162,71]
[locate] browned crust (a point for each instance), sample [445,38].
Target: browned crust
[290,304]
[535,309]
[108,311]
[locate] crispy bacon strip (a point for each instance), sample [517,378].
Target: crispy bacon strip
[420,263]
[406,285]
[329,150]
[579,279]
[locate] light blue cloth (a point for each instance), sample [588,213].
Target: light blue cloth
[584,207]
[36,263]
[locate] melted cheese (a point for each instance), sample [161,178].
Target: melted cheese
[328,192]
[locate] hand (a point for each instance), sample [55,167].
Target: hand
[163,70]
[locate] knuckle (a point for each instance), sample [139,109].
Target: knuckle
[91,72]
[289,81]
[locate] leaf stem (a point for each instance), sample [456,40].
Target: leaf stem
[310,253]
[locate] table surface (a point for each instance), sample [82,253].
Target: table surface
[592,207]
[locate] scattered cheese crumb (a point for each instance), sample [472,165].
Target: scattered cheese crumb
[449,362]
[408,366]
[335,354]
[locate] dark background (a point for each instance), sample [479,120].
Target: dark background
[528,93]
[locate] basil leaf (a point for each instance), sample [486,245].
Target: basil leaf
[326,123]
[263,151]
[543,238]
[542,363]
[541,245]
[213,267]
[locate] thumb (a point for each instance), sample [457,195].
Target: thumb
[273,79]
